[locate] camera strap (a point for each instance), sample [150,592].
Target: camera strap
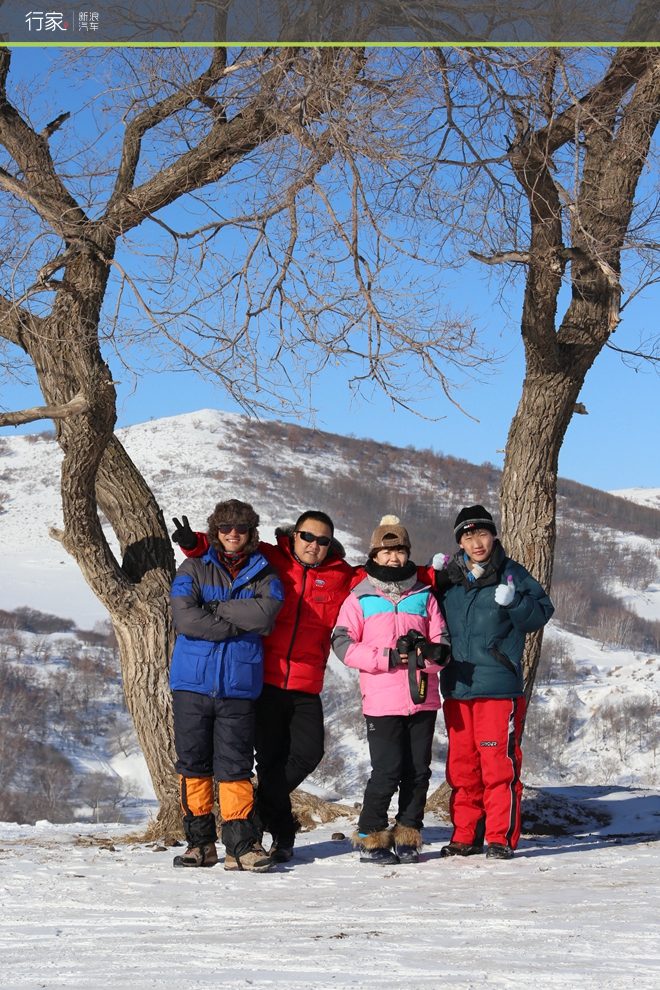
[419,691]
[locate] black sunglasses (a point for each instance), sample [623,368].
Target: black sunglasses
[323,541]
[227,528]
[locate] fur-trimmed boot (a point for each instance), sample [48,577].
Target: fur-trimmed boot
[407,843]
[376,847]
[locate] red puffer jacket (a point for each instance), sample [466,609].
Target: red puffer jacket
[296,652]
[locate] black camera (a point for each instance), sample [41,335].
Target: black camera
[413,641]
[408,645]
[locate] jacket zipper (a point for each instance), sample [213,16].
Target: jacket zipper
[295,628]
[217,669]
[408,698]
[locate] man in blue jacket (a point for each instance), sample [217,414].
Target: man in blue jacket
[222,604]
[490,604]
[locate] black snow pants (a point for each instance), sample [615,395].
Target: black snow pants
[400,750]
[289,746]
[213,737]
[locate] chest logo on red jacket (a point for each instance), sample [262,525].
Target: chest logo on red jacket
[319,581]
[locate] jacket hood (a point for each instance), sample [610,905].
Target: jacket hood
[288,531]
[233,511]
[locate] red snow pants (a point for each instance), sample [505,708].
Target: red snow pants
[483,768]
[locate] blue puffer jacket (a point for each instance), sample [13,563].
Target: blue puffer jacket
[221,654]
[487,639]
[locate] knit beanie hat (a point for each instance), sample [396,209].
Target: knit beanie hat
[233,511]
[473,517]
[388,535]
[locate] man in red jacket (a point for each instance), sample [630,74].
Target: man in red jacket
[289,713]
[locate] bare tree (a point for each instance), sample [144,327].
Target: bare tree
[546,150]
[274,258]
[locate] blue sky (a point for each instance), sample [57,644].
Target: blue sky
[615,446]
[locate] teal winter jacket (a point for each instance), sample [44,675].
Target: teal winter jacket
[487,639]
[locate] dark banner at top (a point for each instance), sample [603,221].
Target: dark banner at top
[387,22]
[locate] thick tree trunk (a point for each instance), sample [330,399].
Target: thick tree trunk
[97,473]
[528,495]
[144,626]
[146,638]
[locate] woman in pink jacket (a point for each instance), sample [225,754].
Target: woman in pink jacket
[390,627]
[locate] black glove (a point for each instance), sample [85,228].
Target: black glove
[211,606]
[183,534]
[436,653]
[395,659]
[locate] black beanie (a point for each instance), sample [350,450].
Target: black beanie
[473,517]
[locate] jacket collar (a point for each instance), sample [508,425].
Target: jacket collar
[458,573]
[284,537]
[254,563]
[365,587]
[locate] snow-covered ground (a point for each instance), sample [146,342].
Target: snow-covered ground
[574,912]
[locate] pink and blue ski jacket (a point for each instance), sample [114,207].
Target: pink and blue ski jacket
[368,626]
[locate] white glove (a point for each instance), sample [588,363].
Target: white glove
[504,593]
[437,561]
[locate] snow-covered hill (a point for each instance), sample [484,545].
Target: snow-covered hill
[193,460]
[643,496]
[190,461]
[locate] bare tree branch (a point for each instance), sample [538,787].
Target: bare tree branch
[156,114]
[518,257]
[655,358]
[14,320]
[55,125]
[74,407]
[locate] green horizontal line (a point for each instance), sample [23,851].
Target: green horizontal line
[330,44]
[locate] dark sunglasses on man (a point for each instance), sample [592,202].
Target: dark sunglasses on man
[227,528]
[323,541]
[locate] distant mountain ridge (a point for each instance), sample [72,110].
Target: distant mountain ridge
[193,460]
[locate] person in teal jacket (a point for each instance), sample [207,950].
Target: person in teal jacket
[490,603]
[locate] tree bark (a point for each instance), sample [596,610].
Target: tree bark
[528,494]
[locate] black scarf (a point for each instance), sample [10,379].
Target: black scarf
[390,575]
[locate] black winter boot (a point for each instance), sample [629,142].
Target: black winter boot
[407,843]
[497,850]
[284,838]
[376,847]
[461,849]
[206,855]
[281,853]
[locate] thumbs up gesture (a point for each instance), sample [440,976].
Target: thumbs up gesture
[504,593]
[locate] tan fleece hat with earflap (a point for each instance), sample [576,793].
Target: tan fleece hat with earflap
[388,535]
